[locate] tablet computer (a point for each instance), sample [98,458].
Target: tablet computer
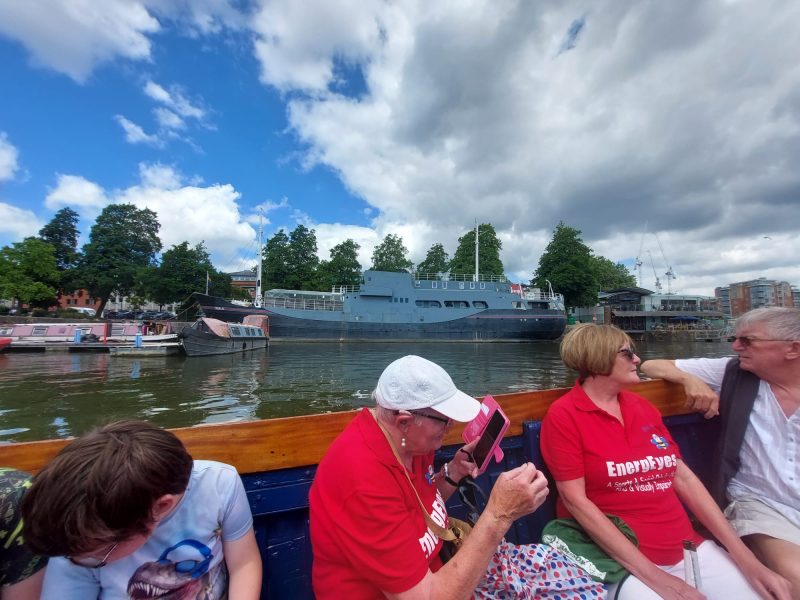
[488,427]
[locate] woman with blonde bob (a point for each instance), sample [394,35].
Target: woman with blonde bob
[610,454]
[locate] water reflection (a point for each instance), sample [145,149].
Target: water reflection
[59,394]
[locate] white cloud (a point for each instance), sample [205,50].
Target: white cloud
[9,156]
[74,37]
[73,190]
[682,114]
[160,176]
[168,119]
[134,134]
[185,211]
[17,222]
[175,100]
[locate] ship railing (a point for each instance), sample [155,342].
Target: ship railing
[303,304]
[541,296]
[458,277]
[345,289]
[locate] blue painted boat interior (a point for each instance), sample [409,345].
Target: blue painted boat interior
[279,501]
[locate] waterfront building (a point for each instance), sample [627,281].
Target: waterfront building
[755,293]
[638,310]
[77,299]
[723,296]
[245,280]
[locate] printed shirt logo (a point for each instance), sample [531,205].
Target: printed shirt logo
[429,540]
[430,476]
[659,442]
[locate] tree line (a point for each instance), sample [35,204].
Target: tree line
[122,257]
[290,260]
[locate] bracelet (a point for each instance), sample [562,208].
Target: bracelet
[446,469]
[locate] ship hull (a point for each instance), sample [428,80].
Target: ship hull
[491,325]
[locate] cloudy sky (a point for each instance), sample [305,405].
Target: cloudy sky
[665,130]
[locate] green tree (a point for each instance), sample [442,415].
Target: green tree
[183,270]
[436,261]
[275,264]
[611,275]
[567,263]
[62,233]
[391,255]
[303,259]
[343,268]
[488,253]
[29,273]
[123,242]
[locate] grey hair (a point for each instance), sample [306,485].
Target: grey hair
[783,323]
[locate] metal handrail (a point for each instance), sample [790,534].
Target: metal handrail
[304,304]
[459,277]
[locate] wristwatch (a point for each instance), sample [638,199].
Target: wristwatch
[446,472]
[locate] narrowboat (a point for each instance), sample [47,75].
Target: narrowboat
[209,336]
[103,331]
[277,459]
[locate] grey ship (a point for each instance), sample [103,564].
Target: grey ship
[405,306]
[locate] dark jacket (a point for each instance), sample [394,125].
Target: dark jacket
[736,398]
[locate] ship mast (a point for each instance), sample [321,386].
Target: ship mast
[257,303]
[477,244]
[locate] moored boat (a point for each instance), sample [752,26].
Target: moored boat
[102,331]
[209,336]
[404,306]
[277,460]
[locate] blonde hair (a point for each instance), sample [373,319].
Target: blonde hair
[592,349]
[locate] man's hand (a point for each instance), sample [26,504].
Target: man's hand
[700,397]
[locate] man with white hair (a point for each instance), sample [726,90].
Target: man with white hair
[757,396]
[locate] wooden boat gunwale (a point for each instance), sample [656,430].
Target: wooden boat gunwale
[288,442]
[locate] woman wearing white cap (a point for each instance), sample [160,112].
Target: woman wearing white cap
[369,535]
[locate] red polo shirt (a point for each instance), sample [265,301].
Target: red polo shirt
[367,529]
[628,468]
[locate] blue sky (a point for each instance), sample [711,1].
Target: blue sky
[360,118]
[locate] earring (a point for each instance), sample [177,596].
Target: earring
[403,442]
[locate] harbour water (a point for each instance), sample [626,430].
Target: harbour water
[53,394]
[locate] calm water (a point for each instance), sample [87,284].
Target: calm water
[57,394]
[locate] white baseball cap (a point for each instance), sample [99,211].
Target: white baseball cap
[413,382]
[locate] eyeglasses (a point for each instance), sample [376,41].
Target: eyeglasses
[92,562]
[628,353]
[748,340]
[444,420]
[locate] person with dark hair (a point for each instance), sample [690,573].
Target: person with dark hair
[21,571]
[757,396]
[128,513]
[611,455]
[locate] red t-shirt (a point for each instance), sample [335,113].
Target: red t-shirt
[368,533]
[628,469]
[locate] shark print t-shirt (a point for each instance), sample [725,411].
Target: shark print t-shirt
[182,559]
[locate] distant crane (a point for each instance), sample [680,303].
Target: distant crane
[652,264]
[670,274]
[637,266]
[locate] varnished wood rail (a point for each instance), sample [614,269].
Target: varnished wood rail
[272,444]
